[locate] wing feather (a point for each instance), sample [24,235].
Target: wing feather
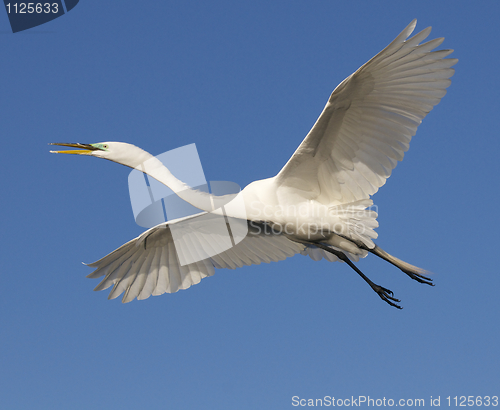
[149,264]
[174,274]
[163,282]
[369,120]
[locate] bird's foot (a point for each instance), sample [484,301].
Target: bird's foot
[386,295]
[419,278]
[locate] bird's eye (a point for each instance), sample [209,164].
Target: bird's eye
[105,146]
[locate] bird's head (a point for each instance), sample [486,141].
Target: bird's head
[120,152]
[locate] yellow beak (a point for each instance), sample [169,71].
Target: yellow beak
[85,148]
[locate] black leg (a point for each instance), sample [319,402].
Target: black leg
[410,270]
[418,277]
[385,294]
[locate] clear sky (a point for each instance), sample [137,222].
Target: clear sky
[245,81]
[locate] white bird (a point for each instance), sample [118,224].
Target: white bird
[317,205]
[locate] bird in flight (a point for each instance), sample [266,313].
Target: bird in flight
[317,205]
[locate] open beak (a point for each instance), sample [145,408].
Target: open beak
[86,149]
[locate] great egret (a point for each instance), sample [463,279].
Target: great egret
[318,203]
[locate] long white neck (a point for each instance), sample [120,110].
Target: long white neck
[152,166]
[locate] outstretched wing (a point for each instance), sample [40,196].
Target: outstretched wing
[149,264]
[367,124]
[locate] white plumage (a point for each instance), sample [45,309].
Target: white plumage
[362,133]
[367,124]
[149,265]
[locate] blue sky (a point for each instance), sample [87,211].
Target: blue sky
[245,81]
